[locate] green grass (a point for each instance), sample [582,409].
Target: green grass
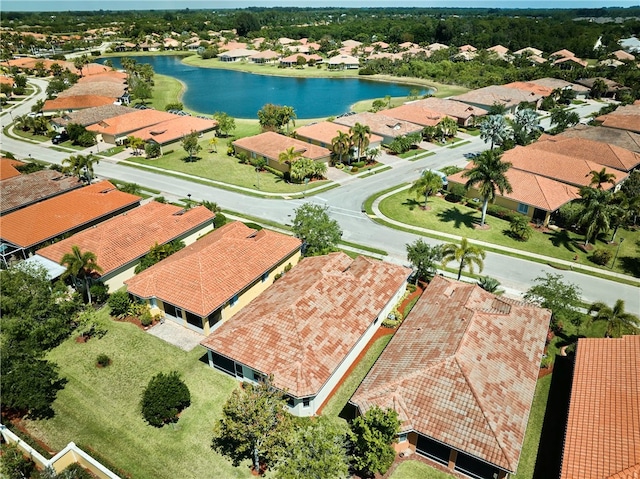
[417,470]
[458,143]
[351,383]
[99,406]
[379,170]
[28,135]
[364,248]
[459,220]
[166,90]
[411,153]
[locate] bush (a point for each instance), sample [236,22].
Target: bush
[119,303]
[358,164]
[146,319]
[164,398]
[152,150]
[75,471]
[219,220]
[354,169]
[274,171]
[99,292]
[501,212]
[243,159]
[103,360]
[455,192]
[601,257]
[14,464]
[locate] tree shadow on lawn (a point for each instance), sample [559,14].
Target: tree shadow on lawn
[411,203]
[191,159]
[458,218]
[630,265]
[561,238]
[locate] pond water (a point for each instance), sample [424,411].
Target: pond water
[241,94]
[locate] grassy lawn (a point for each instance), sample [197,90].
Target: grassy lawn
[459,220]
[417,470]
[98,408]
[29,135]
[166,90]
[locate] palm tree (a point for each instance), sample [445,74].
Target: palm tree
[79,267]
[449,126]
[288,116]
[360,136]
[600,177]
[494,128]
[489,173]
[213,144]
[618,320]
[597,214]
[341,145]
[526,124]
[81,165]
[428,183]
[289,156]
[466,254]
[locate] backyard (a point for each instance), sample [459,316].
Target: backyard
[460,220]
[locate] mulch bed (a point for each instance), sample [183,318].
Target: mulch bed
[135,321]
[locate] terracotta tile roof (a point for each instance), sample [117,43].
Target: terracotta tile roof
[534,190]
[101,88]
[416,113]
[603,153]
[77,102]
[236,53]
[174,129]
[452,108]
[576,60]
[557,83]
[203,276]
[602,438]
[271,144]
[497,94]
[294,58]
[462,370]
[567,169]
[380,124]
[89,116]
[125,124]
[265,55]
[129,236]
[23,190]
[7,80]
[624,56]
[303,326]
[325,131]
[8,169]
[623,118]
[530,87]
[622,138]
[48,219]
[563,54]
[531,50]
[499,49]
[109,76]
[346,59]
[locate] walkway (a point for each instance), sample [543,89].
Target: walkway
[177,335]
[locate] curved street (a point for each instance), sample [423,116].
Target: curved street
[345,205]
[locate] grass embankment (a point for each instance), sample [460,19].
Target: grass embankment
[99,407]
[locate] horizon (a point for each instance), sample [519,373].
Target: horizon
[121,5]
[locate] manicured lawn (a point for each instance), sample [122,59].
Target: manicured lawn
[98,407]
[417,470]
[457,219]
[29,135]
[166,90]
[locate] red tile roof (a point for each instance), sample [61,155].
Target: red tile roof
[602,439]
[304,325]
[174,129]
[271,144]
[203,276]
[462,370]
[129,122]
[129,236]
[416,113]
[8,169]
[77,102]
[530,87]
[380,124]
[325,131]
[453,108]
[624,118]
[622,138]
[498,94]
[48,219]
[109,76]
[24,190]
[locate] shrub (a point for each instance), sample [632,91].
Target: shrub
[520,228]
[601,257]
[160,199]
[14,464]
[242,158]
[219,220]
[501,212]
[451,170]
[146,319]
[358,164]
[274,171]
[99,292]
[103,360]
[231,151]
[455,192]
[164,398]
[354,169]
[152,150]
[119,303]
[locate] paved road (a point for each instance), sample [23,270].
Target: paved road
[345,204]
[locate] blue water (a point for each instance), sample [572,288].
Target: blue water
[241,94]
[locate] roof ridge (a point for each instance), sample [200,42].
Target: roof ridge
[484,415]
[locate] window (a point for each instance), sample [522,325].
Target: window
[264,277]
[306,402]
[522,208]
[153,302]
[402,437]
[253,155]
[234,300]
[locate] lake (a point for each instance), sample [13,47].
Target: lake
[241,94]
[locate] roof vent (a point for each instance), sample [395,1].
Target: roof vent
[179,213]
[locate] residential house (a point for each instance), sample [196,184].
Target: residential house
[461,372]
[8,169]
[623,56]
[465,114]
[569,63]
[24,230]
[530,87]
[534,196]
[270,145]
[602,437]
[235,55]
[613,88]
[382,125]
[500,51]
[528,51]
[612,136]
[19,191]
[115,130]
[108,88]
[509,98]
[173,130]
[623,118]
[308,328]
[343,62]
[292,60]
[266,56]
[120,242]
[323,133]
[415,112]
[73,103]
[205,284]
[89,116]
[557,84]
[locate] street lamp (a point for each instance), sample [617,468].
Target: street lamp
[188,200]
[617,251]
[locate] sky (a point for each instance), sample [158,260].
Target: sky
[78,5]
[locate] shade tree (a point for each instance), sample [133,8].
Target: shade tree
[552,292]
[424,259]
[373,435]
[319,233]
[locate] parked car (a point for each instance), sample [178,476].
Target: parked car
[60,137]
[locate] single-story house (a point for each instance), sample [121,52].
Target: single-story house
[528,51]
[79,102]
[20,191]
[488,96]
[112,76]
[205,284]
[235,55]
[461,372]
[121,241]
[622,138]
[24,230]
[623,118]
[292,60]
[309,326]
[174,129]
[465,114]
[269,145]
[500,51]
[530,87]
[569,63]
[533,195]
[115,130]
[566,168]
[265,56]
[117,90]
[602,437]
[89,116]
[322,134]
[343,62]
[385,126]
[613,88]
[623,56]
[590,149]
[417,113]
[8,170]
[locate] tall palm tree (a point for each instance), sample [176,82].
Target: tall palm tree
[597,214]
[79,267]
[526,124]
[81,166]
[618,320]
[341,145]
[600,177]
[289,156]
[494,128]
[428,183]
[360,136]
[466,254]
[288,116]
[449,126]
[489,174]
